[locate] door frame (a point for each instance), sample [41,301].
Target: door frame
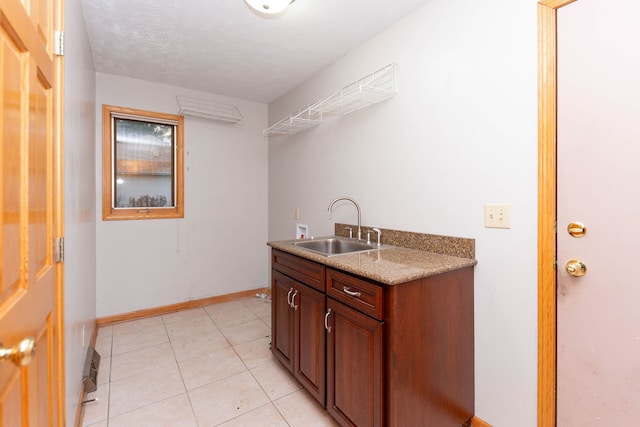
[58,212]
[547,193]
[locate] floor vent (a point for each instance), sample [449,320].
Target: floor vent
[90,372]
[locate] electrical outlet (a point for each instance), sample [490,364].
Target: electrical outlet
[296,213]
[497,216]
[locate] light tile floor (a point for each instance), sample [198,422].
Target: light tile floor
[205,367]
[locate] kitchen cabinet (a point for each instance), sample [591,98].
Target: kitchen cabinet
[282,319]
[354,366]
[354,350]
[298,335]
[396,355]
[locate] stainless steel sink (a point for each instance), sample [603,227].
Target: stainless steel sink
[336,246]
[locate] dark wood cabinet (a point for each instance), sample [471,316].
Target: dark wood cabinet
[282,318]
[354,366]
[309,340]
[396,355]
[429,364]
[298,336]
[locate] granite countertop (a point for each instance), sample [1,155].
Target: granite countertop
[390,266]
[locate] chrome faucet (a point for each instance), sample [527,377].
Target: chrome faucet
[330,209]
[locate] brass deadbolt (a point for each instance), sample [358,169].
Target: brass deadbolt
[577,229]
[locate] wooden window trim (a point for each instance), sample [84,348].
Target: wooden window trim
[108,211]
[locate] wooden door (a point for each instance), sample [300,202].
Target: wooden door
[598,350]
[354,367]
[282,318]
[309,343]
[30,199]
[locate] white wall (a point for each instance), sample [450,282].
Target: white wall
[219,246]
[461,132]
[79,201]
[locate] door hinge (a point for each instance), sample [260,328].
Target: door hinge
[58,43]
[60,249]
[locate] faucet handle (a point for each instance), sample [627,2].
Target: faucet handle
[350,232]
[368,237]
[377,230]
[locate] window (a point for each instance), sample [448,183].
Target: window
[142,164]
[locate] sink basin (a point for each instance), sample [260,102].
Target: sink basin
[335,246]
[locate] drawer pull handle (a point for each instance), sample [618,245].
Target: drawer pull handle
[326,321]
[350,292]
[293,300]
[289,297]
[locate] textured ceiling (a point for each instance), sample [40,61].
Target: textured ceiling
[220,46]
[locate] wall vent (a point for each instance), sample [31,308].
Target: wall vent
[210,110]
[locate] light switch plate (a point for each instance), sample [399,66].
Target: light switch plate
[497,216]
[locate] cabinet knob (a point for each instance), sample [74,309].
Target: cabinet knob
[293,300]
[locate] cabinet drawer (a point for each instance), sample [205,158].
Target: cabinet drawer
[308,272]
[357,293]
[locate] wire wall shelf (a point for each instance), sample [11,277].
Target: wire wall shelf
[304,118]
[376,87]
[371,89]
[208,110]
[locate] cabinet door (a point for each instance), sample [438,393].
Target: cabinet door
[354,367]
[309,342]
[282,318]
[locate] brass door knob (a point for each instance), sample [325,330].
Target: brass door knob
[20,354]
[576,268]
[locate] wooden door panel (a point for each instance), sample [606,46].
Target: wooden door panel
[309,359]
[13,66]
[40,377]
[41,14]
[40,176]
[30,283]
[282,319]
[37,379]
[354,367]
[10,396]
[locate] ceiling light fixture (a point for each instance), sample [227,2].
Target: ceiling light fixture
[269,8]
